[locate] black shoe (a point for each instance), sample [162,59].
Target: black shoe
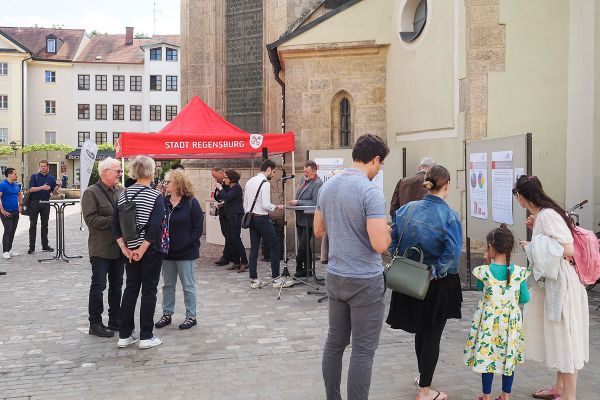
[2,273]
[100,330]
[163,321]
[30,251]
[113,325]
[222,262]
[301,273]
[47,248]
[187,323]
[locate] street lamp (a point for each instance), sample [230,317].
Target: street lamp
[14,147]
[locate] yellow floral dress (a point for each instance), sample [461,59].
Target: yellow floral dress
[496,340]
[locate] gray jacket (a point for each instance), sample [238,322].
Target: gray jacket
[307,195]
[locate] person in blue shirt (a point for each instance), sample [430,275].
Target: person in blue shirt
[11,201]
[435,228]
[41,186]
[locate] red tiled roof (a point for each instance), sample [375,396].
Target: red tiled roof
[34,39]
[112,49]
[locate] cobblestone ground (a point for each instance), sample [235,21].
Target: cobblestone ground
[247,344]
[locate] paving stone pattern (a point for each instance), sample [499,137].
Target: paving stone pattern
[247,344]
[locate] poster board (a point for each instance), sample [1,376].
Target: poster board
[491,169]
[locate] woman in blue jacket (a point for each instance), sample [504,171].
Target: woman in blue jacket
[435,228]
[233,207]
[185,220]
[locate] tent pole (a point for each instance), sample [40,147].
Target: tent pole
[123,173]
[294,195]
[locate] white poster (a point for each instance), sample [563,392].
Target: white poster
[326,167]
[502,184]
[86,161]
[478,185]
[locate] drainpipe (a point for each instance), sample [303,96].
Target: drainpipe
[23,121]
[274,59]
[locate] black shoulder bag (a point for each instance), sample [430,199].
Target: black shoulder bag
[248,216]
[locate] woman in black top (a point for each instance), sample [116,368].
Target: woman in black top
[233,198]
[184,216]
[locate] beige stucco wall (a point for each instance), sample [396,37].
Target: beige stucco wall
[596,158]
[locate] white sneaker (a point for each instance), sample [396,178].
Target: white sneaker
[14,253]
[255,283]
[285,282]
[147,343]
[126,342]
[6,255]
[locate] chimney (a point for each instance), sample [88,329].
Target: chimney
[129,35]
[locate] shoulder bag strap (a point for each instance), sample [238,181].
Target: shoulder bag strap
[106,194]
[402,233]
[256,197]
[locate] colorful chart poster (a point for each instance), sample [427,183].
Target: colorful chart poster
[478,185]
[327,166]
[502,184]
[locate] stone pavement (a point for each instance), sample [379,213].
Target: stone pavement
[247,344]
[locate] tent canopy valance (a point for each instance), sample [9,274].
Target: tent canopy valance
[199,132]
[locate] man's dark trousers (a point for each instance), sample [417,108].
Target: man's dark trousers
[304,236]
[10,227]
[101,268]
[261,227]
[43,210]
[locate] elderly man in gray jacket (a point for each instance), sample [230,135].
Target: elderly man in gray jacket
[306,196]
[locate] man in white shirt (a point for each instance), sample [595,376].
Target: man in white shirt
[260,224]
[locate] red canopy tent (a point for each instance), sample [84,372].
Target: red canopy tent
[199,132]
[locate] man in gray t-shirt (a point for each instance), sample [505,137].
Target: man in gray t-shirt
[351,209]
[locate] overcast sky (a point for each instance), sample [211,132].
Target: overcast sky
[105,16]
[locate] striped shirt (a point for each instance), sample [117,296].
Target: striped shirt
[144,203]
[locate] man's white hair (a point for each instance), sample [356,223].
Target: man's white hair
[427,162]
[105,164]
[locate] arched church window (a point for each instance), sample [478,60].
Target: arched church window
[345,123]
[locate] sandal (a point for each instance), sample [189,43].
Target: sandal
[243,268]
[163,321]
[233,266]
[553,394]
[187,323]
[417,382]
[437,396]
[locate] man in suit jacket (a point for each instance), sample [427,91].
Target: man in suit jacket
[410,188]
[306,195]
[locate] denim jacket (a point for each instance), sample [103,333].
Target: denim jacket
[435,228]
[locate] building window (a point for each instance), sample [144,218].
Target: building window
[154,113]
[51,45]
[155,82]
[118,112]
[81,137]
[135,83]
[171,54]
[101,111]
[3,68]
[50,137]
[50,76]
[83,82]
[118,83]
[50,106]
[4,135]
[156,53]
[135,113]
[171,84]
[83,111]
[116,136]
[3,102]
[413,19]
[345,123]
[101,137]
[170,112]
[101,82]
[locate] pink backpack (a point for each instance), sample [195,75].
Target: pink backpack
[587,255]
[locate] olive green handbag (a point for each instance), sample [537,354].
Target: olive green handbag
[407,276]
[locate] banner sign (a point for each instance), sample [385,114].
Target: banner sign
[86,161]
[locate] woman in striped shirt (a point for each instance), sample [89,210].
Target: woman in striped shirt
[144,256]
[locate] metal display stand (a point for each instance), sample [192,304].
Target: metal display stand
[59,206]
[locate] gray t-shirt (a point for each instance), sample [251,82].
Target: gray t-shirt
[346,201]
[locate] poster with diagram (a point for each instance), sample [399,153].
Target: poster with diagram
[502,184]
[478,185]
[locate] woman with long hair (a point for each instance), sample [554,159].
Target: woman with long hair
[435,228]
[185,219]
[562,344]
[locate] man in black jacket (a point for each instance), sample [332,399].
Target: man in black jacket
[218,174]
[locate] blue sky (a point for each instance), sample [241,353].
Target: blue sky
[110,16]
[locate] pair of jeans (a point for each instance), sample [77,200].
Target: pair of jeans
[186,271]
[10,227]
[427,349]
[143,274]
[101,268]
[304,242]
[43,210]
[234,233]
[261,227]
[356,307]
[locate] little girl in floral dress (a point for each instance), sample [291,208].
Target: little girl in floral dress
[496,340]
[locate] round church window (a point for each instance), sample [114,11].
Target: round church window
[412,19]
